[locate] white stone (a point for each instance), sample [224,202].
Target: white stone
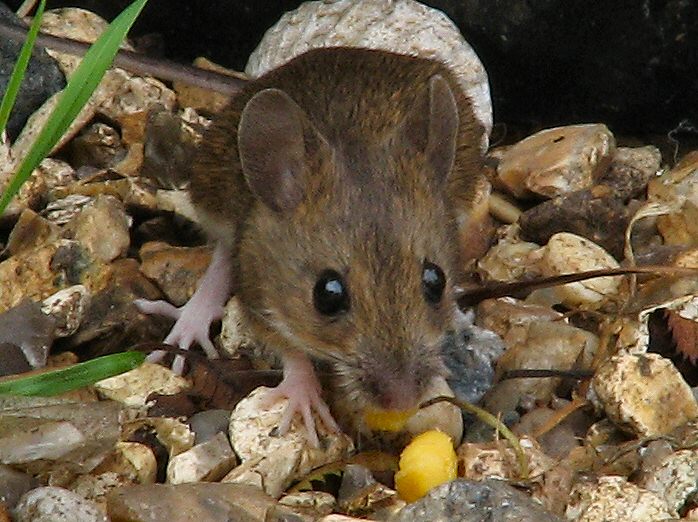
[400,26]
[614,499]
[51,504]
[644,394]
[278,461]
[568,253]
[133,387]
[205,462]
[674,479]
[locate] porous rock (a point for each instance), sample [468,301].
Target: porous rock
[474,501]
[644,394]
[557,161]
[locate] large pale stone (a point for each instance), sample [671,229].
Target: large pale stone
[400,26]
[557,161]
[644,394]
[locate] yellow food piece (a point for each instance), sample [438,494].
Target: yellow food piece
[387,420]
[429,460]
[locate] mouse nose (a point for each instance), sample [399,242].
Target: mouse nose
[397,394]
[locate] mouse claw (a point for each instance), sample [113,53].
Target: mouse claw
[304,393]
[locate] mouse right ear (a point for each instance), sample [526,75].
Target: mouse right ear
[272,149]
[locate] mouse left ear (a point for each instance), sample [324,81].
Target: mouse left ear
[272,151]
[434,128]
[443,126]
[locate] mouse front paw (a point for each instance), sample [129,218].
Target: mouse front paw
[193,320]
[304,393]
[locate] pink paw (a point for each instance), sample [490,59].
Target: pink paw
[193,323]
[195,317]
[304,393]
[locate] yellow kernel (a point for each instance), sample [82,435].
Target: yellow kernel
[429,460]
[387,420]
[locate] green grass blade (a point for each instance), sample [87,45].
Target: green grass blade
[74,377]
[80,87]
[8,99]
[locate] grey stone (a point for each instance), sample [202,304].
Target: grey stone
[51,504]
[14,484]
[473,501]
[42,79]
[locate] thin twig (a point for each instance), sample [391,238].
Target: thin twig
[26,8]
[518,288]
[137,63]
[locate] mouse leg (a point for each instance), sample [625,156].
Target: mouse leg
[195,317]
[301,387]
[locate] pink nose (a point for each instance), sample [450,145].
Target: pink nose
[399,395]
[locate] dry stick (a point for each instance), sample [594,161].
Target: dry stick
[559,416]
[26,8]
[492,291]
[137,63]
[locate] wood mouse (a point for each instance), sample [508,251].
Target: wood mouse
[335,187]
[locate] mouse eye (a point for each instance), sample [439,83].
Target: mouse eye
[330,295]
[433,282]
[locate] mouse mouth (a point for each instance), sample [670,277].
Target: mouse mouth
[387,420]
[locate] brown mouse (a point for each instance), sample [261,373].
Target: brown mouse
[335,187]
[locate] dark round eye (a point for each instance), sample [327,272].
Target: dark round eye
[330,295]
[433,282]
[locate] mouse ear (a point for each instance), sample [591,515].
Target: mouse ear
[443,126]
[435,130]
[272,149]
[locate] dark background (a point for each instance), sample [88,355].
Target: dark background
[630,64]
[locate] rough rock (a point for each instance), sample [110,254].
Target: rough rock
[541,344]
[614,499]
[498,460]
[205,462]
[67,307]
[133,387]
[102,227]
[674,478]
[41,80]
[678,189]
[176,270]
[27,327]
[57,434]
[14,484]
[309,504]
[473,501]
[207,424]
[470,354]
[276,461]
[569,254]
[30,231]
[51,504]
[644,394]
[98,146]
[188,503]
[557,161]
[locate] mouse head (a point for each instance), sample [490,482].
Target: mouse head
[350,253]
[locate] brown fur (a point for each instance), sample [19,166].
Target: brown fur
[372,210]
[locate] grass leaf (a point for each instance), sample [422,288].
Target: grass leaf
[80,87]
[8,99]
[74,377]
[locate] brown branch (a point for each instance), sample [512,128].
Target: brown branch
[136,63]
[523,288]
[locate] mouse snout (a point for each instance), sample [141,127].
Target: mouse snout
[396,399]
[394,392]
